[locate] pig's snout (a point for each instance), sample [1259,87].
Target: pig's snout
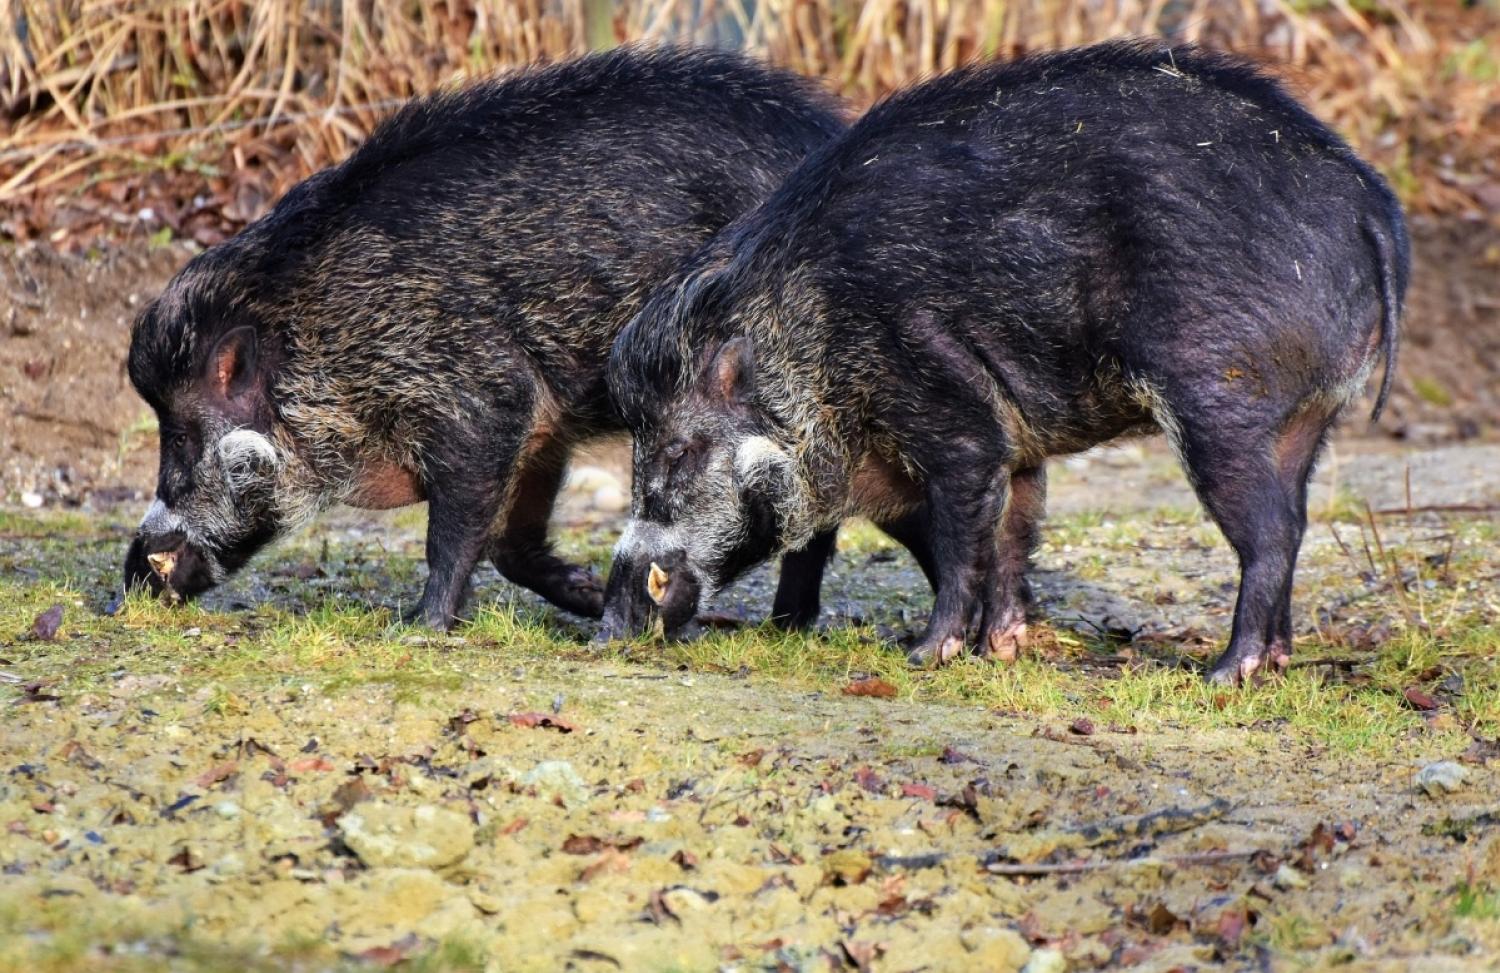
[167,564]
[644,590]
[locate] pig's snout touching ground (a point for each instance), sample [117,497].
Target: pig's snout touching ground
[646,589]
[166,564]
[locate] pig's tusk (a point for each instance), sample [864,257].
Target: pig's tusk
[656,583]
[162,562]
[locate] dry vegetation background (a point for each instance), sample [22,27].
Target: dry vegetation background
[187,118]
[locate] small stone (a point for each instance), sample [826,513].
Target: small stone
[394,836]
[682,900]
[1047,960]
[1443,777]
[557,778]
[1288,878]
[590,479]
[610,499]
[31,499]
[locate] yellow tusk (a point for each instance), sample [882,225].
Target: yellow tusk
[656,583]
[162,562]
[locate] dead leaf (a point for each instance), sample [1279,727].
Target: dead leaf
[47,623]
[547,721]
[186,859]
[1481,751]
[862,954]
[515,825]
[351,792]
[576,844]
[919,790]
[73,752]
[1160,920]
[1083,726]
[33,692]
[659,910]
[457,723]
[212,776]
[869,780]
[952,756]
[752,758]
[1419,700]
[1317,845]
[395,953]
[1230,927]
[609,860]
[305,764]
[685,860]
[870,686]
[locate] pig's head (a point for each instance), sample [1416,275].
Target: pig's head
[202,363]
[713,487]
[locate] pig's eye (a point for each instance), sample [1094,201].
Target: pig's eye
[681,456]
[179,440]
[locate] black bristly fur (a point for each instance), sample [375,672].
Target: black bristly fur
[432,317]
[1020,260]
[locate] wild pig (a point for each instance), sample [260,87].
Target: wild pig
[431,319]
[1007,263]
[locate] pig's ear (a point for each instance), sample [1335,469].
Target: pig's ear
[733,372]
[231,367]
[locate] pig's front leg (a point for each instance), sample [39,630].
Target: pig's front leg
[799,591]
[464,483]
[965,497]
[521,551]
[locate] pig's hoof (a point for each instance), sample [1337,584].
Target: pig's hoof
[1004,644]
[925,655]
[579,591]
[423,618]
[1233,670]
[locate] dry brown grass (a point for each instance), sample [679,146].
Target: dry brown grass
[124,96]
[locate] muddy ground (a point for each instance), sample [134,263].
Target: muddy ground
[282,777]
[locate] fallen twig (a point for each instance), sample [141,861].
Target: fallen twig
[1335,663]
[1462,508]
[1076,868]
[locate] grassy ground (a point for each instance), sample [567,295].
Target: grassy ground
[179,784]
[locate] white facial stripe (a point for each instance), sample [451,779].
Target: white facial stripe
[240,445]
[756,453]
[642,538]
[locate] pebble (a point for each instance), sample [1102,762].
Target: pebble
[387,835]
[557,778]
[1047,960]
[1288,878]
[31,499]
[1443,777]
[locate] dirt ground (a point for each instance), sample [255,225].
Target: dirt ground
[282,778]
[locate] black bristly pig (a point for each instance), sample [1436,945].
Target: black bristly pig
[1007,263]
[432,318]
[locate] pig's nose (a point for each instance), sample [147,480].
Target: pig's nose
[163,543]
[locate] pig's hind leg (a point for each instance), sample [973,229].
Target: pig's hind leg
[521,551]
[966,499]
[1007,594]
[1251,473]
